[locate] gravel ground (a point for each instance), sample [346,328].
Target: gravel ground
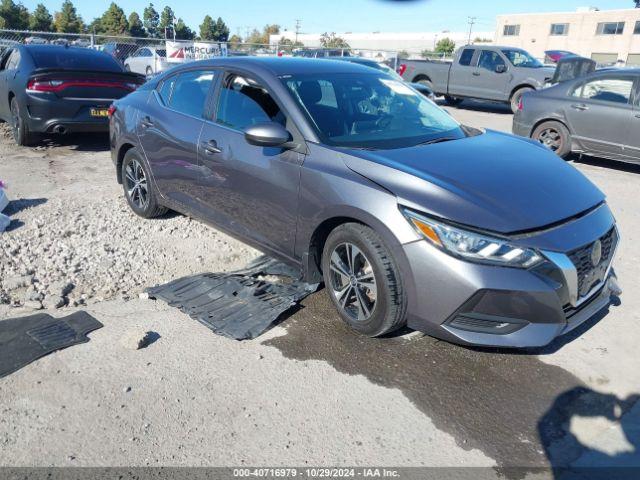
[309,392]
[79,247]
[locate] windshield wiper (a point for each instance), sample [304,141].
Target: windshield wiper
[437,140]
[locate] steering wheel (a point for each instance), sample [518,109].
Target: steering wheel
[384,121]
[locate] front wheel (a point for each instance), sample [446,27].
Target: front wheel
[555,136]
[138,189]
[363,280]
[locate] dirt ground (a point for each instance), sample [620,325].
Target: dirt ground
[309,391]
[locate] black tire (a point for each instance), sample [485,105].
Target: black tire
[555,136]
[388,312]
[452,101]
[426,82]
[21,134]
[517,95]
[138,187]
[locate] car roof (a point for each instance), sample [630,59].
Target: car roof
[51,48]
[278,66]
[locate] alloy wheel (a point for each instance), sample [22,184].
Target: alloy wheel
[550,138]
[353,283]
[137,184]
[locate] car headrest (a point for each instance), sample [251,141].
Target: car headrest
[310,92]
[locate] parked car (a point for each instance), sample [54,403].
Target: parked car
[147,61]
[119,51]
[321,52]
[501,74]
[422,88]
[54,89]
[35,41]
[553,56]
[81,42]
[409,217]
[593,115]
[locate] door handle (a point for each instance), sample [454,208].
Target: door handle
[476,74]
[582,107]
[146,122]
[211,147]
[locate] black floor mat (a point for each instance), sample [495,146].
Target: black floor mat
[24,340]
[240,305]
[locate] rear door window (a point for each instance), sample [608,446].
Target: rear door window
[607,89]
[466,57]
[243,102]
[189,91]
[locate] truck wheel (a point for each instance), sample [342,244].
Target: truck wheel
[517,95]
[555,136]
[427,83]
[363,280]
[452,101]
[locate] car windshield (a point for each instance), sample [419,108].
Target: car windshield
[370,111]
[520,58]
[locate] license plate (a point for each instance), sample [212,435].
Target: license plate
[99,112]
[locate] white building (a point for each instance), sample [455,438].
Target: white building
[606,36]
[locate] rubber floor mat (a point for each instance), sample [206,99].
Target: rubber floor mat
[241,304]
[26,339]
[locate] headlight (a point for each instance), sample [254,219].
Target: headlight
[472,246]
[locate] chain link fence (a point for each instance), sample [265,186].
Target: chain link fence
[152,55]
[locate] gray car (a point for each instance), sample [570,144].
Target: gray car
[357,180]
[594,115]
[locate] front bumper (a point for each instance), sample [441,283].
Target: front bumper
[483,305]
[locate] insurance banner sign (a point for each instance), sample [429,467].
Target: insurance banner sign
[180,52]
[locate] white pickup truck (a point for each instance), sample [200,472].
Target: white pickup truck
[501,74]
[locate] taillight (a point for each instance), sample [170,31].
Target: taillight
[57,85]
[112,109]
[521,104]
[402,68]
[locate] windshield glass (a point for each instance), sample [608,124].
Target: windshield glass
[369,111]
[520,58]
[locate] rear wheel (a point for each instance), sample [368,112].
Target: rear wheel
[363,280]
[452,101]
[138,189]
[555,136]
[21,134]
[517,96]
[426,82]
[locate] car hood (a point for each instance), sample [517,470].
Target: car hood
[491,181]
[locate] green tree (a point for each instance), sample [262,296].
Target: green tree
[221,31]
[114,21]
[234,42]
[403,54]
[183,32]
[14,15]
[288,46]
[167,18]
[136,27]
[95,26]
[67,19]
[331,40]
[445,46]
[427,53]
[207,28]
[40,20]
[151,21]
[262,38]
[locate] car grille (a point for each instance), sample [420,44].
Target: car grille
[589,275]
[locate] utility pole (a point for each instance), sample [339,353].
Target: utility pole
[298,23]
[472,21]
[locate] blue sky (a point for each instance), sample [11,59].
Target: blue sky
[342,15]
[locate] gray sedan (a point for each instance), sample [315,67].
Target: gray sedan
[354,178]
[594,115]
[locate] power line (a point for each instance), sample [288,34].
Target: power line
[298,24]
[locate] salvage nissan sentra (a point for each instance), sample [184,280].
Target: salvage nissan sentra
[410,218]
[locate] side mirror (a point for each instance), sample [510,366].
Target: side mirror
[267,134]
[501,68]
